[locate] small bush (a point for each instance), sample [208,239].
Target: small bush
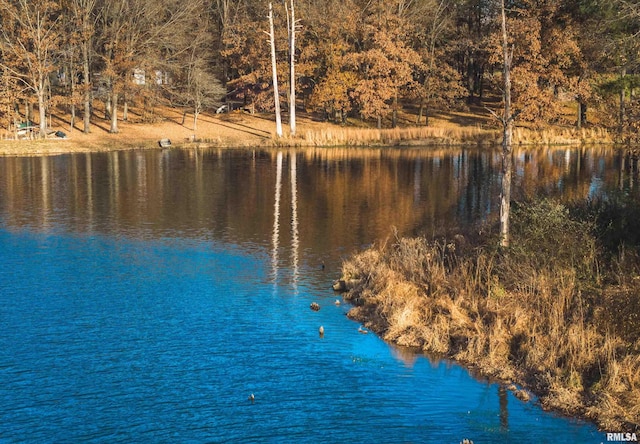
[617,221]
[546,234]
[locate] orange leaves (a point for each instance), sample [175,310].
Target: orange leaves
[333,92]
[385,64]
[547,59]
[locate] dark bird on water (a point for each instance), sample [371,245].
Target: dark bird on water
[252,398]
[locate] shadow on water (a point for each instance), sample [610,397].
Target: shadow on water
[504,412]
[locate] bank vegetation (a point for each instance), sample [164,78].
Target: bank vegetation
[556,314]
[576,63]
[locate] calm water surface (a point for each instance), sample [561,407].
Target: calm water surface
[145,295]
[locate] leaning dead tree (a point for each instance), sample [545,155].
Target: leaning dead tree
[272,41]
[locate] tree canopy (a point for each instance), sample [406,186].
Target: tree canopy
[354,58]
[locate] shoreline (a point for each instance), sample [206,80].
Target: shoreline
[35,148]
[508,377]
[241,130]
[447,300]
[505,376]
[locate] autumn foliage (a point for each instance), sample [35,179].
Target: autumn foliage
[575,61]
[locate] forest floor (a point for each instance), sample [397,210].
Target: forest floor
[242,129]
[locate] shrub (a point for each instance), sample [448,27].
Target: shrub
[545,234]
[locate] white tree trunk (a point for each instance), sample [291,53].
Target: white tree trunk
[196,113]
[292,68]
[114,113]
[507,124]
[275,72]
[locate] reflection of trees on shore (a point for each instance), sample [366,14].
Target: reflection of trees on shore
[343,197]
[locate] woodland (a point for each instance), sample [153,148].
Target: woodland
[574,62]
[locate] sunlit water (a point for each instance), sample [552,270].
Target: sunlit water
[145,295]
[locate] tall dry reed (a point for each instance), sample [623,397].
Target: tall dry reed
[535,314]
[447,136]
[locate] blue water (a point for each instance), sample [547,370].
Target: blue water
[144,296]
[120,340]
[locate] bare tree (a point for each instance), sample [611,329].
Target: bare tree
[507,134]
[197,86]
[439,83]
[274,71]
[291,28]
[84,18]
[29,41]
[506,120]
[226,12]
[134,35]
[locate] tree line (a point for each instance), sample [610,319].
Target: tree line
[353,58]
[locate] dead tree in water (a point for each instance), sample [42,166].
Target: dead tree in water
[507,134]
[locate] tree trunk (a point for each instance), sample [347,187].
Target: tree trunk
[292,75]
[582,114]
[114,113]
[579,116]
[43,113]
[507,124]
[622,104]
[125,111]
[72,90]
[394,113]
[86,121]
[72,122]
[274,73]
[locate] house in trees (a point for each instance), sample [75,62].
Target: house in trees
[157,77]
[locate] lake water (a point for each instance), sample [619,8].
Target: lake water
[144,295]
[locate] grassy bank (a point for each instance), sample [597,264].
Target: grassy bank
[557,313]
[258,130]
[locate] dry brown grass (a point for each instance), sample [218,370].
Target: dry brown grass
[144,129]
[561,136]
[513,318]
[340,136]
